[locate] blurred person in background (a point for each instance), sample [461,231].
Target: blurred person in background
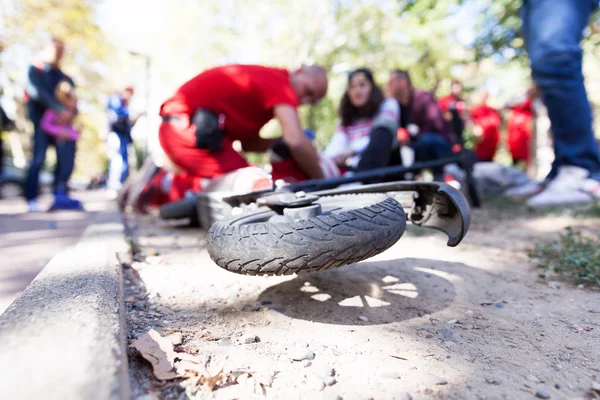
[431,138]
[206,115]
[486,128]
[6,124]
[553,31]
[455,109]
[519,128]
[42,81]
[118,138]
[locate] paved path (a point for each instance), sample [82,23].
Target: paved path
[29,241]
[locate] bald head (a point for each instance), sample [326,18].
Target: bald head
[309,83]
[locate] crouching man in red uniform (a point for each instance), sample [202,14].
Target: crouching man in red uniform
[224,104]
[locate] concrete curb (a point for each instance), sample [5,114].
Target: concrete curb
[64,336]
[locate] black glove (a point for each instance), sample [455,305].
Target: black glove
[209,133]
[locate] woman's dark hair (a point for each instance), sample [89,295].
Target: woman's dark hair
[349,113]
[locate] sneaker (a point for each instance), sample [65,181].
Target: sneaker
[571,187]
[524,192]
[64,202]
[33,206]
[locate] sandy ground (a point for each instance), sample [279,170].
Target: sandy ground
[419,321]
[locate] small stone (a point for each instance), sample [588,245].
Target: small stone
[224,341]
[540,394]
[363,318]
[447,334]
[427,275]
[500,304]
[557,386]
[324,371]
[302,354]
[251,339]
[390,375]
[554,285]
[316,383]
[434,380]
[176,338]
[331,381]
[266,302]
[404,396]
[469,312]
[494,382]
[533,378]
[138,306]
[428,336]
[452,322]
[582,286]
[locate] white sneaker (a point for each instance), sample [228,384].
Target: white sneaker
[571,187]
[33,206]
[523,192]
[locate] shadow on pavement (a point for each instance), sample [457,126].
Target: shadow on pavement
[368,293]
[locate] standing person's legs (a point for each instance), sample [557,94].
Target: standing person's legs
[115,167]
[123,145]
[40,145]
[553,32]
[65,153]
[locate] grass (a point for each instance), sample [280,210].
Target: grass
[573,256]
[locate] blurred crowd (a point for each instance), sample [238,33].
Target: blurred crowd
[211,120]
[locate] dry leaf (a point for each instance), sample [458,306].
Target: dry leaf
[400,358]
[255,381]
[159,352]
[176,338]
[190,366]
[209,382]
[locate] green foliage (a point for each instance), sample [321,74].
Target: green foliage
[574,256]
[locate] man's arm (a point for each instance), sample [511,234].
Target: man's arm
[303,151]
[35,89]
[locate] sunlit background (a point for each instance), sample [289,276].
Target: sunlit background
[156,45]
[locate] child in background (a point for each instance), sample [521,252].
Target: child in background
[60,126]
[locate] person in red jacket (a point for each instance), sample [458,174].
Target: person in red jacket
[206,115]
[520,129]
[486,121]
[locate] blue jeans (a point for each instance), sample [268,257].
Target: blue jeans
[65,161]
[553,30]
[118,168]
[431,147]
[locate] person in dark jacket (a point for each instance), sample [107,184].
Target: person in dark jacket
[42,80]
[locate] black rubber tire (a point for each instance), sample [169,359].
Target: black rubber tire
[349,233]
[185,208]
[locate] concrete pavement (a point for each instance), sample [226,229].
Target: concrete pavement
[29,241]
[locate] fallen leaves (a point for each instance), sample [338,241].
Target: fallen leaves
[400,358]
[167,364]
[159,352]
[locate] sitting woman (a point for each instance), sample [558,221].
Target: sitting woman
[365,138]
[366,134]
